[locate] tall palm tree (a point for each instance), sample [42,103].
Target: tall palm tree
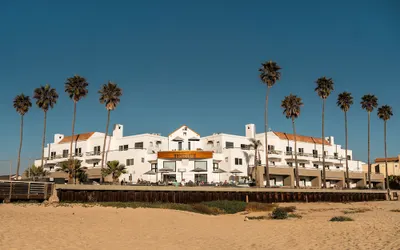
[323,89]
[369,102]
[22,103]
[46,97]
[291,109]
[344,101]
[34,171]
[255,144]
[384,113]
[115,169]
[269,74]
[76,88]
[110,95]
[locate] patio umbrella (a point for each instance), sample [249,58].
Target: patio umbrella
[219,172]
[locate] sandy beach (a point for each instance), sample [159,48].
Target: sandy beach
[80,227]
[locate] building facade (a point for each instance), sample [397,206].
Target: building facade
[184,155]
[379,167]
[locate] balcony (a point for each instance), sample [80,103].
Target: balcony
[334,175]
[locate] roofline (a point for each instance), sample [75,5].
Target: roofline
[184,125]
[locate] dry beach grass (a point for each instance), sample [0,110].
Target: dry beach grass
[96,227]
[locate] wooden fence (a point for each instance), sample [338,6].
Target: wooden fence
[20,190]
[193,195]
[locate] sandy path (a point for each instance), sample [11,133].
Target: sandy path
[41,227]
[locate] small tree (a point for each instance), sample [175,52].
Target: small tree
[73,169]
[255,144]
[34,171]
[114,169]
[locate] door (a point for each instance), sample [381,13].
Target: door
[180,145]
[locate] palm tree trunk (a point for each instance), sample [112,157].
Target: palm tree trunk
[21,133]
[43,137]
[386,165]
[295,155]
[266,138]
[104,144]
[71,157]
[323,144]
[347,160]
[369,152]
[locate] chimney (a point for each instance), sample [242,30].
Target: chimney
[118,131]
[251,131]
[331,140]
[58,138]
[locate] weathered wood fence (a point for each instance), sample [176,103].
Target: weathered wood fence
[195,195]
[20,190]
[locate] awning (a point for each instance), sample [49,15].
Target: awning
[199,170]
[152,161]
[219,171]
[151,172]
[236,171]
[165,170]
[178,139]
[217,161]
[194,139]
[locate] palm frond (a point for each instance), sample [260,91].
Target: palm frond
[385,112]
[324,87]
[291,106]
[110,95]
[76,88]
[369,102]
[344,101]
[269,73]
[46,97]
[22,103]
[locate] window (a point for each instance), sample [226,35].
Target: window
[180,145]
[229,144]
[271,147]
[170,165]
[337,167]
[301,151]
[200,165]
[315,153]
[377,169]
[303,165]
[52,155]
[139,145]
[335,155]
[142,160]
[200,178]
[226,159]
[78,151]
[129,162]
[123,147]
[189,145]
[96,150]
[244,146]
[65,153]
[184,133]
[215,166]
[395,166]
[154,167]
[349,157]
[288,150]
[327,166]
[325,153]
[290,164]
[238,161]
[315,165]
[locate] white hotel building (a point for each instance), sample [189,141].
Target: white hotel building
[184,154]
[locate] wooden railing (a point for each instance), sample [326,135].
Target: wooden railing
[21,190]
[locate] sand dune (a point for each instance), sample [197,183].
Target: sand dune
[77,227]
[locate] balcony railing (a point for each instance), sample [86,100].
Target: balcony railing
[274,152]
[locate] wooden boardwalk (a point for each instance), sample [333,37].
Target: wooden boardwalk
[22,190]
[89,193]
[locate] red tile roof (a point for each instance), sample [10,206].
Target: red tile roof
[302,138]
[389,159]
[78,137]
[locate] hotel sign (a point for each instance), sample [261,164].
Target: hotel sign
[185,154]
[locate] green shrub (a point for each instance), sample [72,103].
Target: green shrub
[260,207]
[356,210]
[290,209]
[296,216]
[341,218]
[279,214]
[229,207]
[203,209]
[257,217]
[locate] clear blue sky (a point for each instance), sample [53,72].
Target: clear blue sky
[196,62]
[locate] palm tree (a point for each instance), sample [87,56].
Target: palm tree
[73,169]
[324,89]
[269,74]
[34,171]
[291,108]
[369,102]
[344,101]
[384,113]
[255,144]
[46,97]
[115,169]
[22,103]
[110,95]
[76,88]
